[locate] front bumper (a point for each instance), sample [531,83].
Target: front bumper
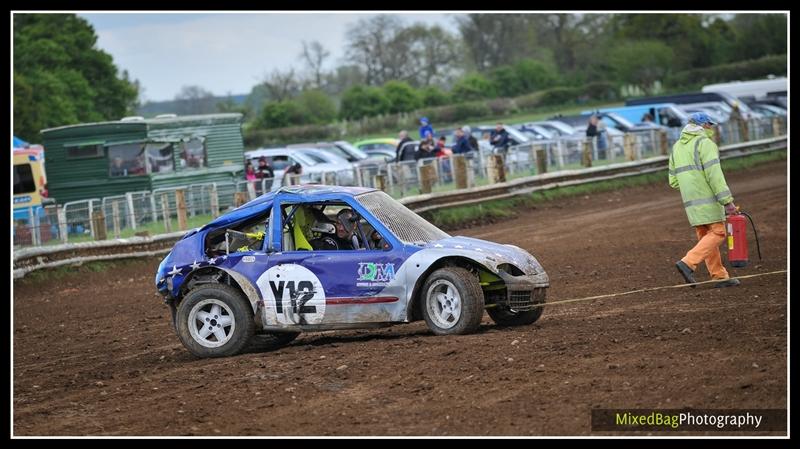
[521,292]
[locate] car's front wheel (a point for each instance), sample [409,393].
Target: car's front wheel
[452,301]
[504,316]
[215,321]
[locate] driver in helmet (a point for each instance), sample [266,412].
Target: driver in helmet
[346,229]
[338,235]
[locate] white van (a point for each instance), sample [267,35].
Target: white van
[756,89]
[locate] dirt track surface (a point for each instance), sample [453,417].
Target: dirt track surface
[95,354]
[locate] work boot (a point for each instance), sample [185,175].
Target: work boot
[686,272]
[732,282]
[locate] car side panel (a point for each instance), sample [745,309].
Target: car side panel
[332,287]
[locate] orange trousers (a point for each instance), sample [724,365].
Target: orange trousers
[709,237]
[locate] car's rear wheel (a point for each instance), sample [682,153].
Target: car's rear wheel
[215,320]
[452,301]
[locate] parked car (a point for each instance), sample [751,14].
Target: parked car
[755,89]
[696,97]
[715,115]
[664,114]
[282,264]
[385,143]
[516,136]
[281,158]
[558,128]
[382,154]
[340,148]
[777,100]
[768,109]
[581,122]
[536,132]
[484,147]
[344,176]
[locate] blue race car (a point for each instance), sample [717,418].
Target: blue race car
[314,258]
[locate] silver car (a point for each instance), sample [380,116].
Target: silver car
[556,127]
[281,158]
[340,148]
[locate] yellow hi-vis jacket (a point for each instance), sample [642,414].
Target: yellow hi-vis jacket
[694,169]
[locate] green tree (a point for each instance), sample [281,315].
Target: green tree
[641,62]
[343,78]
[506,81]
[493,40]
[571,40]
[61,78]
[434,96]
[683,33]
[388,50]
[535,75]
[759,35]
[401,96]
[363,101]
[316,107]
[278,114]
[473,86]
[722,44]
[229,105]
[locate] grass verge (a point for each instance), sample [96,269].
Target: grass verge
[50,274]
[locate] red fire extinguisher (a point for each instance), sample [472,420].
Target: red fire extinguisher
[737,238]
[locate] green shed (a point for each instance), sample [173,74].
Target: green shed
[94,160]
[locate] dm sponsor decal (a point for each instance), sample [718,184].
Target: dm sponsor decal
[372,274]
[292,295]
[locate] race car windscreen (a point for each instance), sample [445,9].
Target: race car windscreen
[406,225]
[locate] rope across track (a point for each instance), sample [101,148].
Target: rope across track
[651,289]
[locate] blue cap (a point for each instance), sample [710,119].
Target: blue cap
[424,120]
[701,118]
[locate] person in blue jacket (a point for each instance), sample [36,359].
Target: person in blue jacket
[462,143]
[425,128]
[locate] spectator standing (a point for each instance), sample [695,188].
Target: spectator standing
[404,139]
[264,170]
[249,172]
[499,137]
[597,128]
[426,150]
[440,145]
[425,127]
[292,173]
[473,142]
[602,138]
[462,143]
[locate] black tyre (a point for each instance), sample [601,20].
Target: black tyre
[452,301]
[507,317]
[215,321]
[271,340]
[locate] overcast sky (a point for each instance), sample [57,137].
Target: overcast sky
[223,53]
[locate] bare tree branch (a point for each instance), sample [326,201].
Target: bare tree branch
[314,55]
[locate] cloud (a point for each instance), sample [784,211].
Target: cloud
[221,52]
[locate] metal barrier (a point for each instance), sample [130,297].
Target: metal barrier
[29,259]
[154,211]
